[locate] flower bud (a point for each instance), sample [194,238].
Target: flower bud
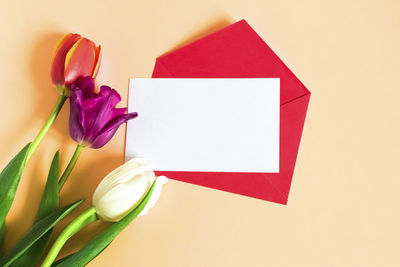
[75,56]
[94,118]
[123,189]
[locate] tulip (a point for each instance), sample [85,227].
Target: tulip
[75,57]
[119,193]
[123,189]
[93,117]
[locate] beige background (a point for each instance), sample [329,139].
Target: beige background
[343,208]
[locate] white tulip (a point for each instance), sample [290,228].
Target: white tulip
[123,189]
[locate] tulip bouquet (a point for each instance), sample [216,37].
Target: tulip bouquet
[128,191]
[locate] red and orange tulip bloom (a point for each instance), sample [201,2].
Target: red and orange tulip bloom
[75,57]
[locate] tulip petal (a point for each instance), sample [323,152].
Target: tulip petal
[99,111]
[98,60]
[75,66]
[123,189]
[76,116]
[58,65]
[117,112]
[161,180]
[86,84]
[109,130]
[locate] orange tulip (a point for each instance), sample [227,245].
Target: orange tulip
[75,56]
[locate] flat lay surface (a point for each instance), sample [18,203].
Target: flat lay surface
[343,205]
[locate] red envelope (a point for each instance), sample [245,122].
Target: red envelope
[238,52]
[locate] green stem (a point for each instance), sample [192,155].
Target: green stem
[75,226]
[70,166]
[46,126]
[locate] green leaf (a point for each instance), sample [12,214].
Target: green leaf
[70,255]
[2,234]
[61,260]
[101,241]
[37,231]
[9,180]
[48,204]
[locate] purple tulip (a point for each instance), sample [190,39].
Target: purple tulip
[93,118]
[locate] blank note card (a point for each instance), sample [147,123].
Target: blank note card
[210,125]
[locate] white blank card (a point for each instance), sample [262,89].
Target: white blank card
[206,125]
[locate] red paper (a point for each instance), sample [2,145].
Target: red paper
[238,52]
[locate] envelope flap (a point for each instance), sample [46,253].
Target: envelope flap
[233,52]
[160,71]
